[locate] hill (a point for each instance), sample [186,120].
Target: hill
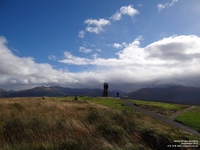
[173,94]
[53,91]
[3,92]
[37,92]
[61,123]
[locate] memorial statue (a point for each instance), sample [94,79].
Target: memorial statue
[117,94]
[105,90]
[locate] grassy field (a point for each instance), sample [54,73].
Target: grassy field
[162,108]
[89,123]
[106,101]
[191,118]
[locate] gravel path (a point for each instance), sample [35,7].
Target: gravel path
[162,118]
[180,112]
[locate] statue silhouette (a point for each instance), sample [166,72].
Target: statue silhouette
[105,90]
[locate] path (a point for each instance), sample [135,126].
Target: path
[162,118]
[181,112]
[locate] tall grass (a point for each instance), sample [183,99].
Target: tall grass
[48,124]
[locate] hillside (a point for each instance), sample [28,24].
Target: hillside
[61,123]
[53,91]
[174,94]
[37,92]
[3,93]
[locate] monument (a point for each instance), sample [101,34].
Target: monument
[105,90]
[117,94]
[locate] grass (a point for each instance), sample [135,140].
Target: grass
[191,118]
[110,102]
[62,124]
[162,108]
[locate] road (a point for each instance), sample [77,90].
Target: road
[162,118]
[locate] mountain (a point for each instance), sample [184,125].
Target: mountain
[3,93]
[173,94]
[79,92]
[37,92]
[60,91]
[86,91]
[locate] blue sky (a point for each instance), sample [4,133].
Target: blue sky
[83,43]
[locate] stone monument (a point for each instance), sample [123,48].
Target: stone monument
[117,94]
[105,90]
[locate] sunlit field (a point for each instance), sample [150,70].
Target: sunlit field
[87,123]
[191,118]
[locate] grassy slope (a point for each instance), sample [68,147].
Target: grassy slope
[191,118]
[60,123]
[162,108]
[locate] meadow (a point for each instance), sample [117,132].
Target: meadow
[61,123]
[191,118]
[165,109]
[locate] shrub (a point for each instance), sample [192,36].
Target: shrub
[155,140]
[111,132]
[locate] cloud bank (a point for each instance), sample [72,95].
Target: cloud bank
[173,60]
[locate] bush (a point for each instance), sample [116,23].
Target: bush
[111,132]
[155,140]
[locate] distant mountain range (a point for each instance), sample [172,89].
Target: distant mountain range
[56,91]
[173,94]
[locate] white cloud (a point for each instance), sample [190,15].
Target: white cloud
[84,50]
[81,34]
[166,5]
[171,50]
[125,10]
[167,61]
[24,71]
[161,6]
[172,60]
[96,26]
[71,59]
[176,48]
[117,45]
[52,57]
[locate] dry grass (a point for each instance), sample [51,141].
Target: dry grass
[48,124]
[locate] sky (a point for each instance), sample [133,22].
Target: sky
[130,44]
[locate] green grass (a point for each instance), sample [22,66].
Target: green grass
[191,118]
[105,101]
[162,108]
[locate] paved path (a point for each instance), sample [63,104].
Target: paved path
[162,118]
